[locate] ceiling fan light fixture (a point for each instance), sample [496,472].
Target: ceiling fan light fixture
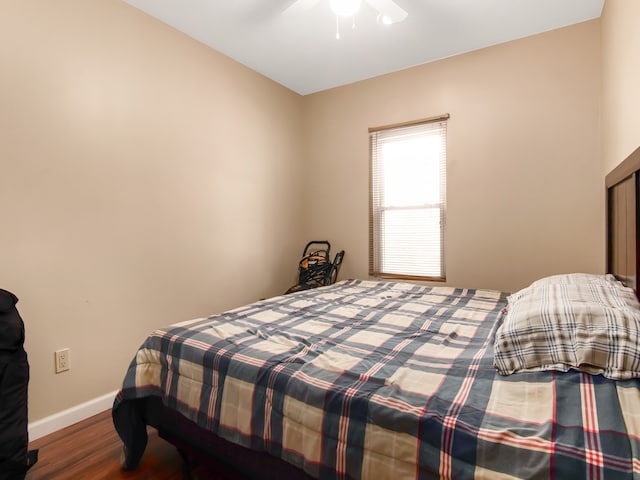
[345,8]
[384,19]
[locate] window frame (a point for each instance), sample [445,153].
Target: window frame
[374,251]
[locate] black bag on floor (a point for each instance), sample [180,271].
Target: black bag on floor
[15,459]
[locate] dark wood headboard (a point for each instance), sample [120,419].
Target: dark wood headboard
[623,200]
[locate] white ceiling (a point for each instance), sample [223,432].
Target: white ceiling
[301,51]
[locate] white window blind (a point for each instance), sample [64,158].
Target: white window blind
[408,200]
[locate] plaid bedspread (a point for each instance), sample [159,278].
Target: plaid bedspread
[382,380]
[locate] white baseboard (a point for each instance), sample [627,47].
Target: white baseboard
[68,417]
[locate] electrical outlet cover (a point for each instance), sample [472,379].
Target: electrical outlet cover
[62,360]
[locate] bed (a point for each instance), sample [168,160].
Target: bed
[369,379]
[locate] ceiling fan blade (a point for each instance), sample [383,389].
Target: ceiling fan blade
[299,6]
[389,9]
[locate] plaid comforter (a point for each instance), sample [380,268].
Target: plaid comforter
[382,380]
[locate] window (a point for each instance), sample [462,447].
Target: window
[408,200]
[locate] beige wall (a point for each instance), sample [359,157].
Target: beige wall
[144,179]
[524,181]
[620,80]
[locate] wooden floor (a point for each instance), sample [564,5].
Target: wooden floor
[91,450]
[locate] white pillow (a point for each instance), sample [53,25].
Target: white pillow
[573,279]
[577,279]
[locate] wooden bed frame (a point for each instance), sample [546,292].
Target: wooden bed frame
[623,194]
[197,445]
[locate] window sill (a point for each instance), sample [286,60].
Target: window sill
[395,276]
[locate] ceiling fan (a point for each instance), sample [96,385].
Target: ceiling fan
[388,11]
